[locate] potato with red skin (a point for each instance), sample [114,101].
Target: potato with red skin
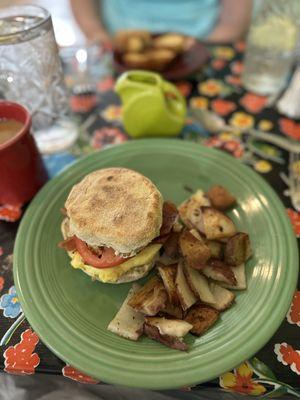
[170,341]
[220,198]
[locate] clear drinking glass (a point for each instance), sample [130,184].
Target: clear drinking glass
[31,74]
[271,45]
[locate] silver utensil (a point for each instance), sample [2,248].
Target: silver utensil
[214,124]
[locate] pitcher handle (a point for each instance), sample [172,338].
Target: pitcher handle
[174,98]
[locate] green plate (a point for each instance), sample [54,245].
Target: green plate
[70,313]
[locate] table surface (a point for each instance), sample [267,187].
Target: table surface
[276,367]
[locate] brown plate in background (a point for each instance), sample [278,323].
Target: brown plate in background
[185,64]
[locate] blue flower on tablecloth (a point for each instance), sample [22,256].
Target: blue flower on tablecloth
[10,304]
[55,163]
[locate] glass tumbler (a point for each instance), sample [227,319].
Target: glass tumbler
[31,74]
[271,46]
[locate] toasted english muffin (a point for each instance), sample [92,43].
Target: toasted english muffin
[117,208]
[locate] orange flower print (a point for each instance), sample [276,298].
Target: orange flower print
[106,84]
[70,372]
[1,283]
[10,213]
[107,136]
[288,356]
[112,113]
[290,128]
[295,220]
[240,46]
[240,381]
[199,102]
[218,64]
[184,88]
[237,67]
[83,103]
[21,359]
[293,315]
[253,103]
[210,87]
[232,146]
[241,120]
[234,80]
[223,107]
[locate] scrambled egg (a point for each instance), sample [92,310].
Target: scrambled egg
[114,273]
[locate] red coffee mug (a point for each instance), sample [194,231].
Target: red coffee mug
[22,172]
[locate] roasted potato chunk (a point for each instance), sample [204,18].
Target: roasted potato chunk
[240,276]
[185,294]
[237,249]
[189,209]
[128,323]
[216,225]
[151,298]
[184,214]
[219,271]
[220,198]
[216,249]
[199,285]
[194,250]
[223,297]
[171,341]
[202,317]
[172,327]
[170,310]
[168,276]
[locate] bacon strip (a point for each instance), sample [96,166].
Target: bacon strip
[63,210]
[68,244]
[170,214]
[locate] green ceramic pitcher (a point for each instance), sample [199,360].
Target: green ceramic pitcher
[151,106]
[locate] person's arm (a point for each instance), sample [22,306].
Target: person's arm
[86,15]
[235,17]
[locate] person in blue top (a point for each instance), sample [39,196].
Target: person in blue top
[211,20]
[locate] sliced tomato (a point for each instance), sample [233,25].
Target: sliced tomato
[107,259]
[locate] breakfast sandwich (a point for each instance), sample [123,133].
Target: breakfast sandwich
[115,222]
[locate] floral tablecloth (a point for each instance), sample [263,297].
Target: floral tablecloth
[275,369]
